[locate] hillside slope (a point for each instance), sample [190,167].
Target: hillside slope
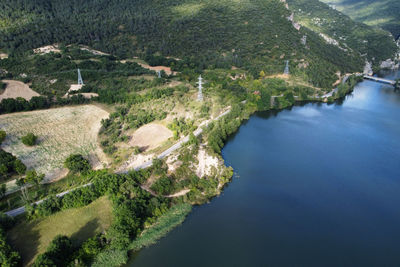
[253,34]
[383,13]
[377,45]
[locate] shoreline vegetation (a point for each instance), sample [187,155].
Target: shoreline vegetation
[162,219]
[241,53]
[166,223]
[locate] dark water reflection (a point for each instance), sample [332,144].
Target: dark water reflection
[317,185]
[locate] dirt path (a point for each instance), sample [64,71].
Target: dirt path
[179,194]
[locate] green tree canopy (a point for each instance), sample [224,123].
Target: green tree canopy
[29,139]
[77,163]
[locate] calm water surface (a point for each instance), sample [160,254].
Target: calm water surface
[317,185]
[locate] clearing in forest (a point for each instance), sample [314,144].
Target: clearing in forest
[16,89]
[150,136]
[32,238]
[60,131]
[167,70]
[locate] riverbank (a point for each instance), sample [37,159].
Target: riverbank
[298,193]
[167,222]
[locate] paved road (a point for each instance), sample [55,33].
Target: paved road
[145,165]
[21,210]
[336,89]
[179,144]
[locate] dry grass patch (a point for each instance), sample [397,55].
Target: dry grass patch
[150,136]
[61,132]
[16,89]
[32,238]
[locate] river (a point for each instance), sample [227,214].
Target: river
[316,185]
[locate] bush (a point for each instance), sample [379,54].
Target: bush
[2,136]
[8,257]
[57,254]
[9,165]
[19,167]
[77,163]
[29,139]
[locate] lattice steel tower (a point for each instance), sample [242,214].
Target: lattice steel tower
[200,83]
[80,81]
[286,71]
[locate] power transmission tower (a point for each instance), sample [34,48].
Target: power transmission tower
[286,71]
[80,81]
[200,95]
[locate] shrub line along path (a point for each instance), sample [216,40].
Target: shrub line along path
[147,164]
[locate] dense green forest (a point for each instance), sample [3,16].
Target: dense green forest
[384,14]
[376,44]
[253,34]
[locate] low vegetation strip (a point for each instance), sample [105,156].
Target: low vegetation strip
[32,238]
[174,217]
[60,131]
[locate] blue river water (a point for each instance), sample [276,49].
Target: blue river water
[316,185]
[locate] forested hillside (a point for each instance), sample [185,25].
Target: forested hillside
[253,34]
[384,14]
[339,29]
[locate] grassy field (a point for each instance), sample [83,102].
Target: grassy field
[61,132]
[32,238]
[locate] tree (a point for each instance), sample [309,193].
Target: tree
[3,190]
[23,188]
[29,139]
[2,136]
[57,253]
[77,163]
[19,167]
[34,178]
[8,257]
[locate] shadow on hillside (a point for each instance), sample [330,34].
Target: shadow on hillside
[25,239]
[87,231]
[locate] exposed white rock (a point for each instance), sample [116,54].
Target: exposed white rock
[368,68]
[389,64]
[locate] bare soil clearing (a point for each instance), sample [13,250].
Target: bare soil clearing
[150,136]
[3,55]
[16,89]
[167,70]
[61,132]
[47,49]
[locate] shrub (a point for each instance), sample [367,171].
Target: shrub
[57,253]
[19,167]
[8,257]
[77,163]
[2,136]
[29,139]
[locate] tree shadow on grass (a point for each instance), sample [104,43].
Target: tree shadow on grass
[86,232]
[25,238]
